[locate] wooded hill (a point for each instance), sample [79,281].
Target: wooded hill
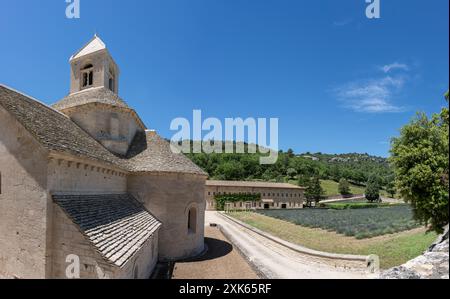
[356,168]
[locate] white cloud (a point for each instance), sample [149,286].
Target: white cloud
[342,22]
[394,66]
[371,96]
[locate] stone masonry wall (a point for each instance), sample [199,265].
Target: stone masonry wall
[68,240]
[82,177]
[24,203]
[169,198]
[145,261]
[98,122]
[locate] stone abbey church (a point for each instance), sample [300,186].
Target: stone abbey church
[85,177]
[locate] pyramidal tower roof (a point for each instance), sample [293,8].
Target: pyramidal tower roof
[94,45]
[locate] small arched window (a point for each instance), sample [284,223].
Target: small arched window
[112,79]
[192,220]
[111,84]
[87,75]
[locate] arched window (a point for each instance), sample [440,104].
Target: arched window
[87,75]
[192,220]
[112,79]
[111,84]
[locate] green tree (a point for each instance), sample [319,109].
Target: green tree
[303,180]
[290,153]
[373,189]
[420,157]
[314,191]
[390,189]
[344,187]
[231,170]
[291,173]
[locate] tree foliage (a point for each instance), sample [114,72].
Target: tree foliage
[420,157]
[355,168]
[314,191]
[373,189]
[344,187]
[390,189]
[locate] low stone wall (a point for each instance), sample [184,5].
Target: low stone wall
[369,263]
[433,264]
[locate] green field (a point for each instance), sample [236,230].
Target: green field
[393,249]
[332,188]
[359,223]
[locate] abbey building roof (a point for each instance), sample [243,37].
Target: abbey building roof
[100,95]
[58,133]
[115,224]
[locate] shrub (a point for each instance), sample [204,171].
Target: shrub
[223,198]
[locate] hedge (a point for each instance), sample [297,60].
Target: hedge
[224,198]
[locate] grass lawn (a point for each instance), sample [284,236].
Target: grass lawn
[332,188]
[393,250]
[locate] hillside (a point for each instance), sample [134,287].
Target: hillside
[356,168]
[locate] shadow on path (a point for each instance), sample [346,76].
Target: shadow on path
[215,249]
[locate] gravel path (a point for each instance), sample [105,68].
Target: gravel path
[277,261]
[222,261]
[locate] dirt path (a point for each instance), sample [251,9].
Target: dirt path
[222,261]
[277,261]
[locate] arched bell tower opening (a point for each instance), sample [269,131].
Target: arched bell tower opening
[87,76]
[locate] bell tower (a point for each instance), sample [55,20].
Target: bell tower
[93,103]
[92,67]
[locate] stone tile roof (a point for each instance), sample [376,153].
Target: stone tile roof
[52,129]
[151,153]
[56,132]
[249,184]
[116,225]
[92,95]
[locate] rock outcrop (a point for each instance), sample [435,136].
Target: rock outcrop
[433,264]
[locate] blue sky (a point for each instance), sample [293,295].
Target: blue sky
[337,81]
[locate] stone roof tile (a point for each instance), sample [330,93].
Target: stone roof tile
[115,224]
[92,95]
[52,129]
[151,153]
[57,132]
